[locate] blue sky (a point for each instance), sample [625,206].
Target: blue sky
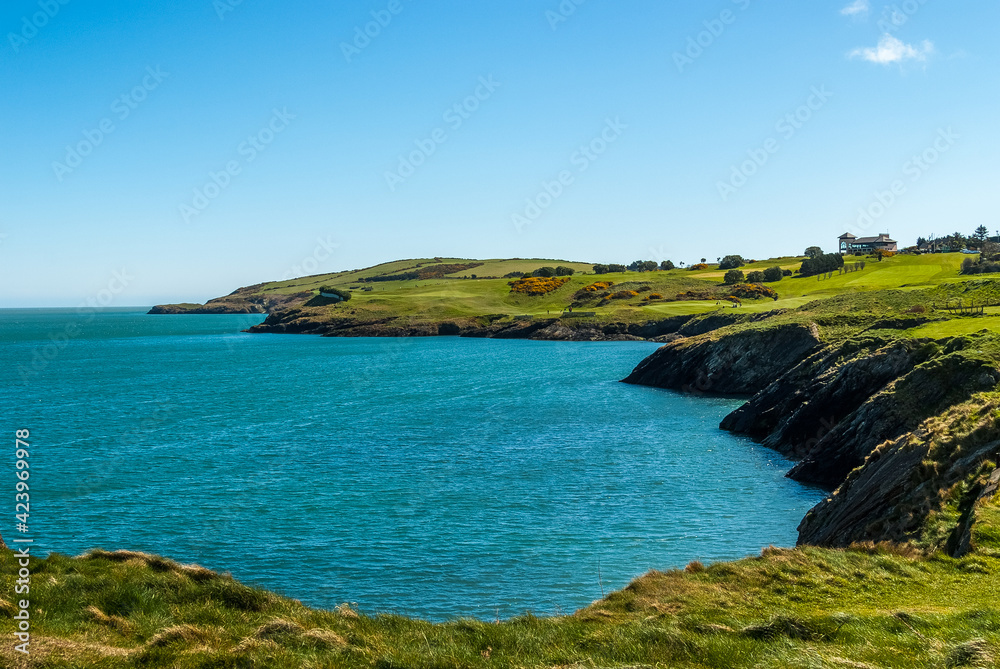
[174,151]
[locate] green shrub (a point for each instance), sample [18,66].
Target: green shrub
[608,269]
[752,291]
[772,274]
[733,276]
[828,262]
[732,262]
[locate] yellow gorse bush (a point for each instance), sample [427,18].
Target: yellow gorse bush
[536,285]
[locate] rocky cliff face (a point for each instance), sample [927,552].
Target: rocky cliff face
[926,390]
[924,486]
[299,320]
[850,413]
[243,301]
[832,409]
[741,362]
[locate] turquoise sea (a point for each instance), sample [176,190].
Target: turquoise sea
[436,478]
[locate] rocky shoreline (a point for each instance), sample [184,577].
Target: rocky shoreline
[859,417]
[297,320]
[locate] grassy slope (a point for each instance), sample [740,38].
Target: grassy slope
[807,607]
[929,278]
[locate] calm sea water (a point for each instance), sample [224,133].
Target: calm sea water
[435,478]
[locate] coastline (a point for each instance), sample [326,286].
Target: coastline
[781,605]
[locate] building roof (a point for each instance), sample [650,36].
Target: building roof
[883,238]
[847,235]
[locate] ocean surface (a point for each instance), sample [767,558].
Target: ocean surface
[437,477]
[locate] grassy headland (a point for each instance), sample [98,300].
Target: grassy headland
[478,299]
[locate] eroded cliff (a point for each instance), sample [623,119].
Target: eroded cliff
[860,416]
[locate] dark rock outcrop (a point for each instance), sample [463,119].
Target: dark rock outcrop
[740,362]
[863,416]
[701,324]
[243,301]
[925,391]
[303,320]
[908,481]
[791,414]
[833,408]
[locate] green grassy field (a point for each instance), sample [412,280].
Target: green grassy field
[454,297]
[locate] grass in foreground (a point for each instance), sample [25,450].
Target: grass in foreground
[872,606]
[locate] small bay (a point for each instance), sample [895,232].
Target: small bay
[432,477]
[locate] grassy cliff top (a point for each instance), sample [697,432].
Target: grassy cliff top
[898,286]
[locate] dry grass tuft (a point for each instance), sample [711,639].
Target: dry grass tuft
[154,562]
[904,550]
[842,662]
[324,639]
[277,628]
[713,628]
[179,633]
[198,573]
[781,626]
[118,623]
[974,653]
[346,611]
[251,644]
[54,651]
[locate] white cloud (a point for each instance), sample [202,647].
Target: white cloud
[893,50]
[856,8]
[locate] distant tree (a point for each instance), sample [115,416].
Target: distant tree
[704,260]
[981,233]
[545,272]
[772,274]
[565,271]
[813,251]
[732,262]
[616,268]
[921,241]
[513,275]
[787,272]
[732,277]
[600,269]
[822,264]
[643,266]
[755,277]
[666,265]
